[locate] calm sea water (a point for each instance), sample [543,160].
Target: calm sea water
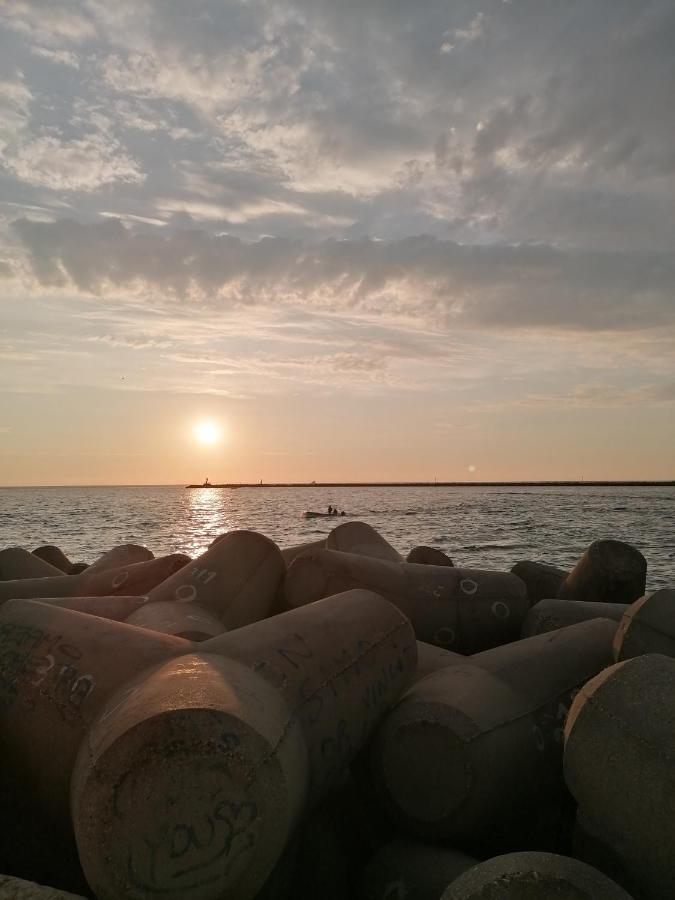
[478,527]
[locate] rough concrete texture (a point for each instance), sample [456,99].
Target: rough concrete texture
[121,556]
[647,626]
[608,572]
[136,579]
[464,610]
[18,889]
[185,620]
[477,746]
[362,539]
[620,767]
[428,556]
[236,580]
[412,870]
[54,556]
[533,876]
[549,615]
[17,563]
[542,580]
[192,779]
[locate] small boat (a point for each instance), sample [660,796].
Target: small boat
[311,514]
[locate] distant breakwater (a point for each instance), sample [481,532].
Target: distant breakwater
[409,484]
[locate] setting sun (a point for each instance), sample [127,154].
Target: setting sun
[207,432]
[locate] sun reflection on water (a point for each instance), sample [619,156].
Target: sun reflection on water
[208,517]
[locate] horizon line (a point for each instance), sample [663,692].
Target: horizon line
[628,482]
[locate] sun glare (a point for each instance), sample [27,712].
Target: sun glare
[207,432]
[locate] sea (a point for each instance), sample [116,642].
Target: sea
[479,527]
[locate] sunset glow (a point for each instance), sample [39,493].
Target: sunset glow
[389,241]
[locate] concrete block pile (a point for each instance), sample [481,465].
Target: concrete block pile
[335,720]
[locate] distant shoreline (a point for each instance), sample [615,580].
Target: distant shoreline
[389,484]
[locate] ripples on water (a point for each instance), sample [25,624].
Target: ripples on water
[478,527]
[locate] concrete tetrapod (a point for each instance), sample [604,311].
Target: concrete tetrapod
[289,553]
[194,776]
[186,620]
[121,556]
[533,876]
[362,539]
[620,767]
[465,610]
[608,572]
[542,580]
[549,615]
[428,556]
[647,626]
[236,580]
[431,658]
[138,579]
[117,608]
[54,556]
[57,667]
[474,748]
[17,563]
[412,870]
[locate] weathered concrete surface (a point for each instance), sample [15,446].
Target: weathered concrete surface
[57,668]
[184,620]
[608,572]
[464,610]
[472,750]
[54,556]
[361,539]
[117,608]
[236,580]
[428,556]
[647,626]
[549,615]
[542,580]
[121,556]
[136,579]
[412,870]
[17,563]
[533,876]
[194,778]
[620,767]
[18,889]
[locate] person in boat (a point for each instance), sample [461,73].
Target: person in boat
[343,513]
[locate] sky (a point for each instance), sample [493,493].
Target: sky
[369,240]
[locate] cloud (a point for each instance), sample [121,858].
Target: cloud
[46,23]
[80,165]
[603,395]
[465,286]
[61,57]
